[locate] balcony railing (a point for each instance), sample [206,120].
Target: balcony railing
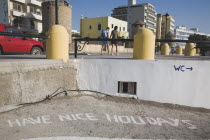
[35,16]
[35,2]
[21,1]
[152,20]
[18,13]
[150,26]
[152,14]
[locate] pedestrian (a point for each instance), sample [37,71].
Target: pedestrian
[105,35]
[172,50]
[114,35]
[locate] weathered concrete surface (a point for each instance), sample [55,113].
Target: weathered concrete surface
[106,117]
[30,81]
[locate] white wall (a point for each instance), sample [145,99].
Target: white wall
[94,48]
[4,12]
[39,27]
[156,80]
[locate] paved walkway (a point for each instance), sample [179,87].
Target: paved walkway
[95,117]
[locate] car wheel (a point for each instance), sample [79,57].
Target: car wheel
[36,51]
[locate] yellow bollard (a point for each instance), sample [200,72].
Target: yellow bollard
[190,49]
[179,50]
[58,43]
[165,49]
[198,51]
[144,45]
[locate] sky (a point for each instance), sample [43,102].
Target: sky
[189,13]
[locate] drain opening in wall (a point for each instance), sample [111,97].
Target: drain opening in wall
[127,87]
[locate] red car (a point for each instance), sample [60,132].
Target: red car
[12,44]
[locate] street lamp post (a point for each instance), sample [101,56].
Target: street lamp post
[56,12]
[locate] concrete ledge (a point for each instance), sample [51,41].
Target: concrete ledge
[183,82]
[30,81]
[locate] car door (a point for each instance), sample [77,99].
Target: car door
[15,43]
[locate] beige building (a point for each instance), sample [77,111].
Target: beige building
[24,14]
[134,12]
[91,27]
[165,24]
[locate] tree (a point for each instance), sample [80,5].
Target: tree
[204,47]
[195,37]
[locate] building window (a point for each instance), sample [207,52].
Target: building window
[99,26]
[17,22]
[123,28]
[90,27]
[17,7]
[127,87]
[120,28]
[32,24]
[112,26]
[32,9]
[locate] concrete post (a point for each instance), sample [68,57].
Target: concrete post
[57,44]
[165,49]
[190,49]
[144,45]
[179,50]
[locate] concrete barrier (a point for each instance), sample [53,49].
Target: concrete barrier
[183,82]
[30,81]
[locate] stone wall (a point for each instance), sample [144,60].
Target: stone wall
[65,16]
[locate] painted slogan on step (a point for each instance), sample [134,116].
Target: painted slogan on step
[90,117]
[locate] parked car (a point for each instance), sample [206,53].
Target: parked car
[15,44]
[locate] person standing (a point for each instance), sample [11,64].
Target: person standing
[114,35]
[105,35]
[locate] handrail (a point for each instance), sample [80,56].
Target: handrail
[87,39]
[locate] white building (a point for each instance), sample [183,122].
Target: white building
[75,32]
[24,14]
[182,33]
[133,12]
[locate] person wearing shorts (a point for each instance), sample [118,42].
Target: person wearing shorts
[104,35]
[114,35]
